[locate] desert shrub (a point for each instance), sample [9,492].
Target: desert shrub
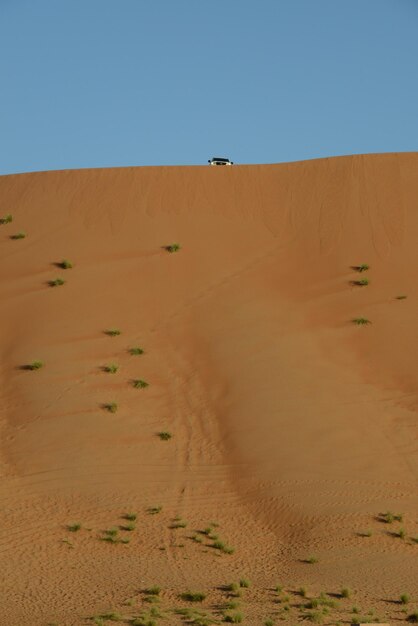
[413,617]
[153,591]
[232,605]
[268,622]
[164,435]
[361,321]
[136,351]
[193,596]
[113,332]
[173,247]
[57,282]
[223,547]
[35,365]
[233,618]
[244,582]
[404,598]
[197,538]
[401,297]
[74,527]
[112,407]
[233,589]
[130,526]
[20,235]
[112,368]
[311,560]
[179,523]
[131,517]
[7,219]
[401,533]
[153,510]
[345,592]
[363,282]
[140,384]
[365,533]
[112,617]
[362,268]
[65,264]
[317,617]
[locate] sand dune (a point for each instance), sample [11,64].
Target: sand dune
[292,427]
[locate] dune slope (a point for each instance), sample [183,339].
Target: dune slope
[292,428]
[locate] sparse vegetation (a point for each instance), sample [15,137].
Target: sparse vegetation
[129,526]
[7,219]
[311,559]
[140,384]
[233,618]
[112,368]
[153,510]
[362,268]
[35,365]
[57,282]
[345,592]
[113,332]
[112,407]
[401,533]
[74,527]
[20,235]
[197,539]
[363,282]
[131,517]
[136,351]
[303,592]
[164,435]
[389,517]
[317,617]
[268,622]
[65,264]
[365,533]
[361,321]
[401,297]
[223,547]
[193,596]
[155,590]
[244,582]
[404,598]
[413,617]
[178,523]
[173,247]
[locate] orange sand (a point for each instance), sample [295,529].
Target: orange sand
[292,427]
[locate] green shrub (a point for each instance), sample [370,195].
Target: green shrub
[179,523]
[112,407]
[7,219]
[130,526]
[57,282]
[362,268]
[311,560]
[131,517]
[112,617]
[193,596]
[74,527]
[153,591]
[345,592]
[413,617]
[65,264]
[404,598]
[136,351]
[268,622]
[35,365]
[112,332]
[153,510]
[173,247]
[140,384]
[164,435]
[402,297]
[361,321]
[233,618]
[112,368]
[244,582]
[20,235]
[401,533]
[363,282]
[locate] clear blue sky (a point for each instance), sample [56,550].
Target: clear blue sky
[98,83]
